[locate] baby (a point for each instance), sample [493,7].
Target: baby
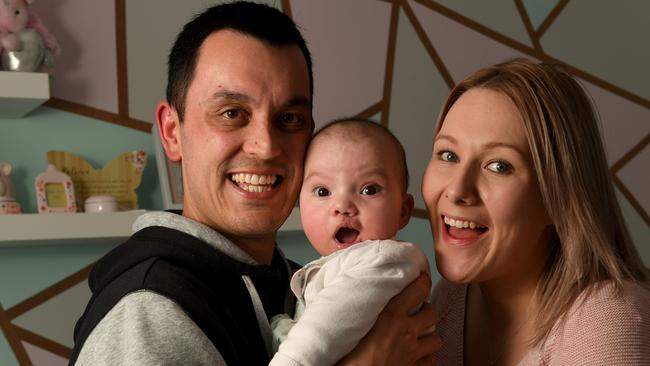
[352,203]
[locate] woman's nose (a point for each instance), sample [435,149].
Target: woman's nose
[461,187]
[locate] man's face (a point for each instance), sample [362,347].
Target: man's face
[242,142]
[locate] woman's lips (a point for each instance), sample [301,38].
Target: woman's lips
[462,236]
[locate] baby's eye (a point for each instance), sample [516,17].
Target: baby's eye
[321,192]
[500,167]
[370,190]
[448,156]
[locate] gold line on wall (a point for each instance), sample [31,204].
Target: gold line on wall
[99,114]
[551,18]
[601,83]
[50,292]
[13,339]
[630,197]
[529,26]
[390,63]
[122,68]
[286,8]
[435,57]
[372,110]
[42,342]
[534,53]
[616,167]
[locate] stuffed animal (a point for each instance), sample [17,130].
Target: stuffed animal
[25,42]
[6,188]
[8,204]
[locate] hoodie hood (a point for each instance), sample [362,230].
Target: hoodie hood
[183,242]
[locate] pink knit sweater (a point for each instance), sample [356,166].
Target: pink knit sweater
[605,329]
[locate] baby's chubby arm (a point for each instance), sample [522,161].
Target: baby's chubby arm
[344,298]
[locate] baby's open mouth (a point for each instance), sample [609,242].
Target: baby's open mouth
[347,235]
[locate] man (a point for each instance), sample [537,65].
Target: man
[198,288]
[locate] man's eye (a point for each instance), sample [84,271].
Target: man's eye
[232,113]
[291,121]
[321,192]
[370,190]
[500,167]
[448,156]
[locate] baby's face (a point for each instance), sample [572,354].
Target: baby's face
[352,191]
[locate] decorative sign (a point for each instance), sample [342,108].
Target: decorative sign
[55,192]
[119,178]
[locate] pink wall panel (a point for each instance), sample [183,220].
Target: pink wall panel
[624,123]
[348,41]
[636,178]
[461,49]
[41,357]
[86,71]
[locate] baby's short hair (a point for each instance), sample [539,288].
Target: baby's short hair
[358,125]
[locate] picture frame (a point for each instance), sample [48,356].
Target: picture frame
[170,175]
[55,192]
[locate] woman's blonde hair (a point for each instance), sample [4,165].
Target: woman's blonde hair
[591,244]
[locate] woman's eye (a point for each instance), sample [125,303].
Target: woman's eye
[369,190]
[499,167]
[321,192]
[448,156]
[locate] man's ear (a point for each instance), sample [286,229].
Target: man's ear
[169,129]
[407,208]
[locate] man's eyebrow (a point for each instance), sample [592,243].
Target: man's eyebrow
[298,102]
[230,95]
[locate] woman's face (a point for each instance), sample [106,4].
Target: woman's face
[485,208]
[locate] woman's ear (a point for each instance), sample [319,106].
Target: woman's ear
[169,129]
[407,208]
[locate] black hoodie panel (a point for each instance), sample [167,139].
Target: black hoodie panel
[204,282]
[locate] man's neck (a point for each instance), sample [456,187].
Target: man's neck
[260,249]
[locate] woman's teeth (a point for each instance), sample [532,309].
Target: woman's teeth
[462,224]
[254,182]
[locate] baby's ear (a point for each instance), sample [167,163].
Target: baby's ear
[407,208]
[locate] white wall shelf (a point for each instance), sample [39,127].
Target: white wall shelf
[22,92]
[66,228]
[81,228]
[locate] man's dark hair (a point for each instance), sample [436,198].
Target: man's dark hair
[260,21]
[369,125]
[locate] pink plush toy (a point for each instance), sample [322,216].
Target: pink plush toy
[15,18]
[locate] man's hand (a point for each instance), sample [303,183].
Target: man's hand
[401,337]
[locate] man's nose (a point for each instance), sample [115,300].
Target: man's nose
[261,141]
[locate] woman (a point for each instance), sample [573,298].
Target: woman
[538,265]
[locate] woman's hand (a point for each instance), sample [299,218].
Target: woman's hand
[401,337]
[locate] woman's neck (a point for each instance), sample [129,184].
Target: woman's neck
[500,320]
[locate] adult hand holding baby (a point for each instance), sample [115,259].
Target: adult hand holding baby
[398,338]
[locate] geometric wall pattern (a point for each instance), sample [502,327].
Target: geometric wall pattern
[393,61]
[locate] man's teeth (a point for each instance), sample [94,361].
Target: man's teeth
[462,224]
[254,182]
